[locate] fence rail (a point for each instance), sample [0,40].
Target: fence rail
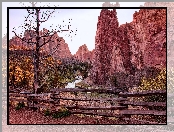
[118,107]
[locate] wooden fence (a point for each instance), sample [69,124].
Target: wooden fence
[100,102]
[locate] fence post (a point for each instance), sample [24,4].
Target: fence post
[54,96]
[121,103]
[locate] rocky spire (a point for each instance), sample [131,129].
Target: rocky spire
[130,46]
[105,39]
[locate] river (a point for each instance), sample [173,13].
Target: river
[72,85]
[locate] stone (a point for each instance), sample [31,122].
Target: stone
[131,46]
[56,46]
[104,41]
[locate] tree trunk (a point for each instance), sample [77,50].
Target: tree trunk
[36,57]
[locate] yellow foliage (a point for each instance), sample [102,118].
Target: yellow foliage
[158,83]
[20,70]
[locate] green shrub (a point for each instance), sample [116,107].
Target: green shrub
[20,105]
[61,113]
[118,79]
[47,112]
[82,85]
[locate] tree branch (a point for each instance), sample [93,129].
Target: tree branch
[22,39]
[47,34]
[52,52]
[47,17]
[29,13]
[45,42]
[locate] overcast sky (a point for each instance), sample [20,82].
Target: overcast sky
[84,20]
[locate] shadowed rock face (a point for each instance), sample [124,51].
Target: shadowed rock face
[139,44]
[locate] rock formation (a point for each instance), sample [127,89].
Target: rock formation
[148,41]
[63,50]
[170,27]
[56,47]
[138,44]
[83,54]
[104,41]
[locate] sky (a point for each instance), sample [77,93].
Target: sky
[83,20]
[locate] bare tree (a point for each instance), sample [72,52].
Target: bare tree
[40,40]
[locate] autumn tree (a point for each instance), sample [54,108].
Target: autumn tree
[20,71]
[38,40]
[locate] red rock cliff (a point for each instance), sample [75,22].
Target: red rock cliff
[83,54]
[139,43]
[104,41]
[150,36]
[56,46]
[170,28]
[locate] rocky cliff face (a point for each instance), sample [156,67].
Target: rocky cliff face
[83,54]
[63,50]
[170,27]
[104,41]
[57,46]
[139,44]
[150,35]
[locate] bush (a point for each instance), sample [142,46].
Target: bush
[20,105]
[82,85]
[59,75]
[20,71]
[118,79]
[47,112]
[156,83]
[63,112]
[52,72]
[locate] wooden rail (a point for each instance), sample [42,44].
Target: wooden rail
[90,99]
[95,108]
[115,107]
[145,93]
[111,90]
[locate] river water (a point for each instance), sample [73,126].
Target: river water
[72,85]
